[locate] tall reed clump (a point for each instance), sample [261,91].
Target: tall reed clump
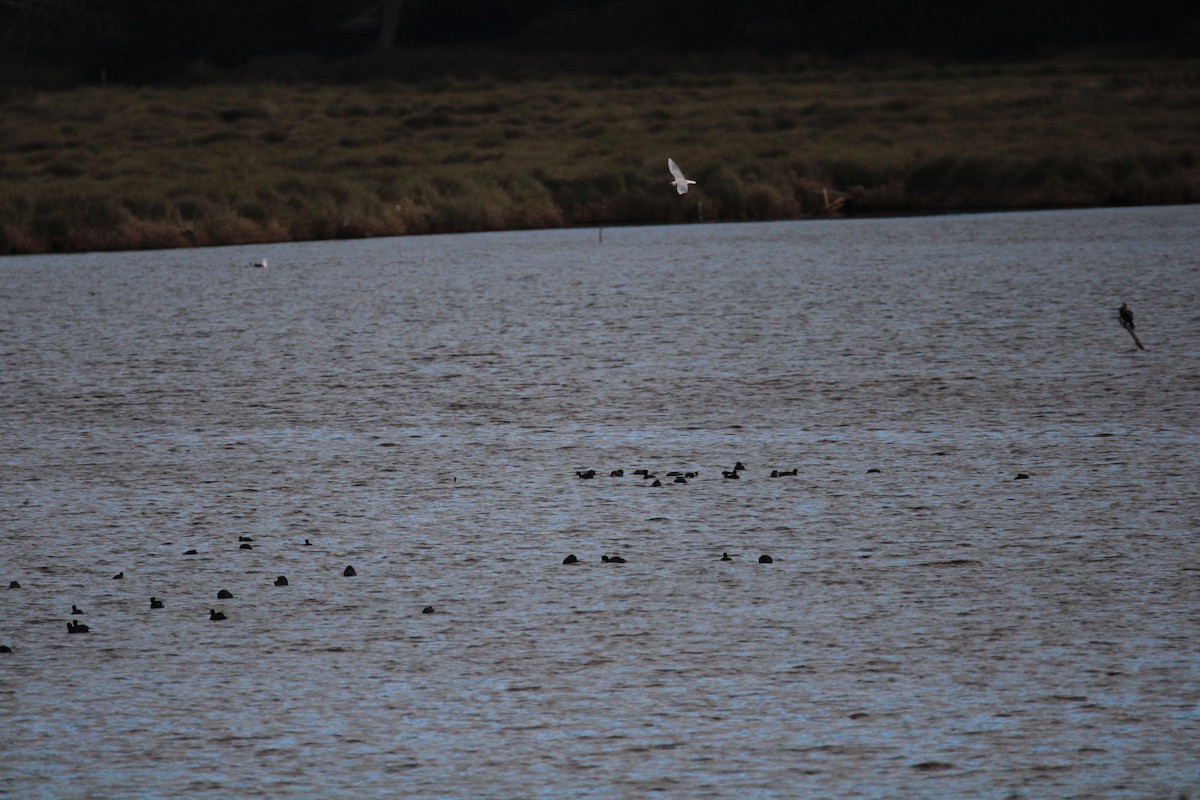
[110,168]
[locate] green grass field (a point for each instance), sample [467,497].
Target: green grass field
[123,168]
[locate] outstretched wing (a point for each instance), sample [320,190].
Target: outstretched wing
[676,171]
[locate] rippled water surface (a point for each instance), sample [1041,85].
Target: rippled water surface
[418,408]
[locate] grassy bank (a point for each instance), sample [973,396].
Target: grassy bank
[122,168]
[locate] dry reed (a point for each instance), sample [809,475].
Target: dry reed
[123,168]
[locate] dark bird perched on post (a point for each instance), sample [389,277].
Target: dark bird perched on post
[1126,316]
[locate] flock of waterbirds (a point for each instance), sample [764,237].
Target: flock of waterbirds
[674,476]
[247,543]
[682,477]
[244,543]
[678,476]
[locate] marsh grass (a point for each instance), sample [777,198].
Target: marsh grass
[116,168]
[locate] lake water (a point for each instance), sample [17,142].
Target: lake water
[417,408]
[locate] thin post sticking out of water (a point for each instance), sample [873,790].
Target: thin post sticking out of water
[1129,327]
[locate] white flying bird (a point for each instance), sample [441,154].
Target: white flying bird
[681,183]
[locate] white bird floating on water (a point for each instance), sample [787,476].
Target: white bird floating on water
[262,263]
[681,183]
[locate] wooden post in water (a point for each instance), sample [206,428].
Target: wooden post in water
[1129,328]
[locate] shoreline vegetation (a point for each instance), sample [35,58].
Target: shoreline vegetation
[217,163]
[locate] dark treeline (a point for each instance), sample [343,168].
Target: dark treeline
[66,42]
